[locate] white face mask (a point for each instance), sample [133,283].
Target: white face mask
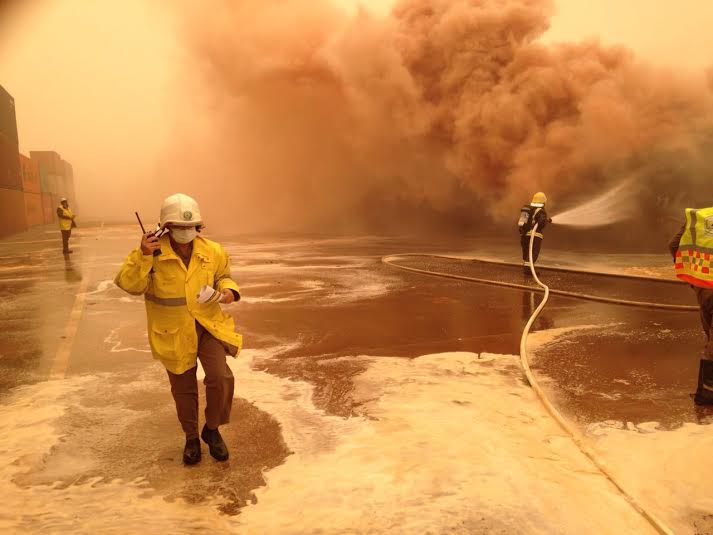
[184,235]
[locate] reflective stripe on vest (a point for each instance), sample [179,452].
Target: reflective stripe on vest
[694,258]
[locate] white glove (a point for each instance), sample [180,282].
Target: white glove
[208,295]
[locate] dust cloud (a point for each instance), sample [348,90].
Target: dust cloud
[439,113]
[359,115]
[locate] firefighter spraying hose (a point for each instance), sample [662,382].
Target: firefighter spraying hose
[574,433]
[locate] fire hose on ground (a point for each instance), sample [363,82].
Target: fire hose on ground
[572,431]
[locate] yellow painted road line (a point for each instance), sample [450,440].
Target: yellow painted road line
[61,358]
[8,243]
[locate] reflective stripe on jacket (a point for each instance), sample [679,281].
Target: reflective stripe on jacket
[170,293]
[694,258]
[65,224]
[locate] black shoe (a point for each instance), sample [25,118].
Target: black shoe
[704,394]
[192,451]
[217,447]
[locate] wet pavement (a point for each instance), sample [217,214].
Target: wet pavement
[631,366]
[316,313]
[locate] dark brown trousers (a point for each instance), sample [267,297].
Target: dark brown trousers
[525,246]
[705,302]
[65,239]
[219,385]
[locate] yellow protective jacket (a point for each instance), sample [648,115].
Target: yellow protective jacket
[693,260]
[170,292]
[65,224]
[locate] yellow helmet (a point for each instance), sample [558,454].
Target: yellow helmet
[539,198]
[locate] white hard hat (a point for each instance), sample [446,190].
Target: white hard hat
[180,209]
[63,199]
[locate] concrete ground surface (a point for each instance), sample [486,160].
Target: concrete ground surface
[368,399]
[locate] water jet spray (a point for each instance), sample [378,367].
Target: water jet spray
[613,206]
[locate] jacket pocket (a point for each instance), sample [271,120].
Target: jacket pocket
[165,342]
[165,284]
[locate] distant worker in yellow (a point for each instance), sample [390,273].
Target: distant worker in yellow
[692,251]
[530,215]
[66,223]
[184,279]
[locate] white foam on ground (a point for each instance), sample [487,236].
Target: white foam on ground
[114,340]
[307,287]
[459,445]
[668,471]
[28,431]
[336,285]
[453,442]
[357,285]
[539,339]
[106,291]
[102,287]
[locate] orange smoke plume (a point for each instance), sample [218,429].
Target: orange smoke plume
[318,118]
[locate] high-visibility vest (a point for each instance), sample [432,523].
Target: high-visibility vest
[694,259]
[65,224]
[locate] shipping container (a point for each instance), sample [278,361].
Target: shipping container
[30,172]
[61,188]
[68,169]
[48,208]
[10,175]
[55,205]
[34,214]
[8,120]
[69,183]
[45,186]
[48,159]
[57,184]
[47,183]
[12,212]
[71,195]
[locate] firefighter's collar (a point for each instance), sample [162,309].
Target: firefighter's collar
[200,249]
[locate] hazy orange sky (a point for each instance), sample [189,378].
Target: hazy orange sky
[99,82]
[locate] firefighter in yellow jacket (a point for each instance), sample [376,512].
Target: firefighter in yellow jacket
[66,223]
[692,250]
[184,278]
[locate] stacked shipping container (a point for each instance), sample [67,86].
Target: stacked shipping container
[8,121]
[30,188]
[34,214]
[69,185]
[51,168]
[56,180]
[12,215]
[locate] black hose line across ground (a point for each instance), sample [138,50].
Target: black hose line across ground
[490,272]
